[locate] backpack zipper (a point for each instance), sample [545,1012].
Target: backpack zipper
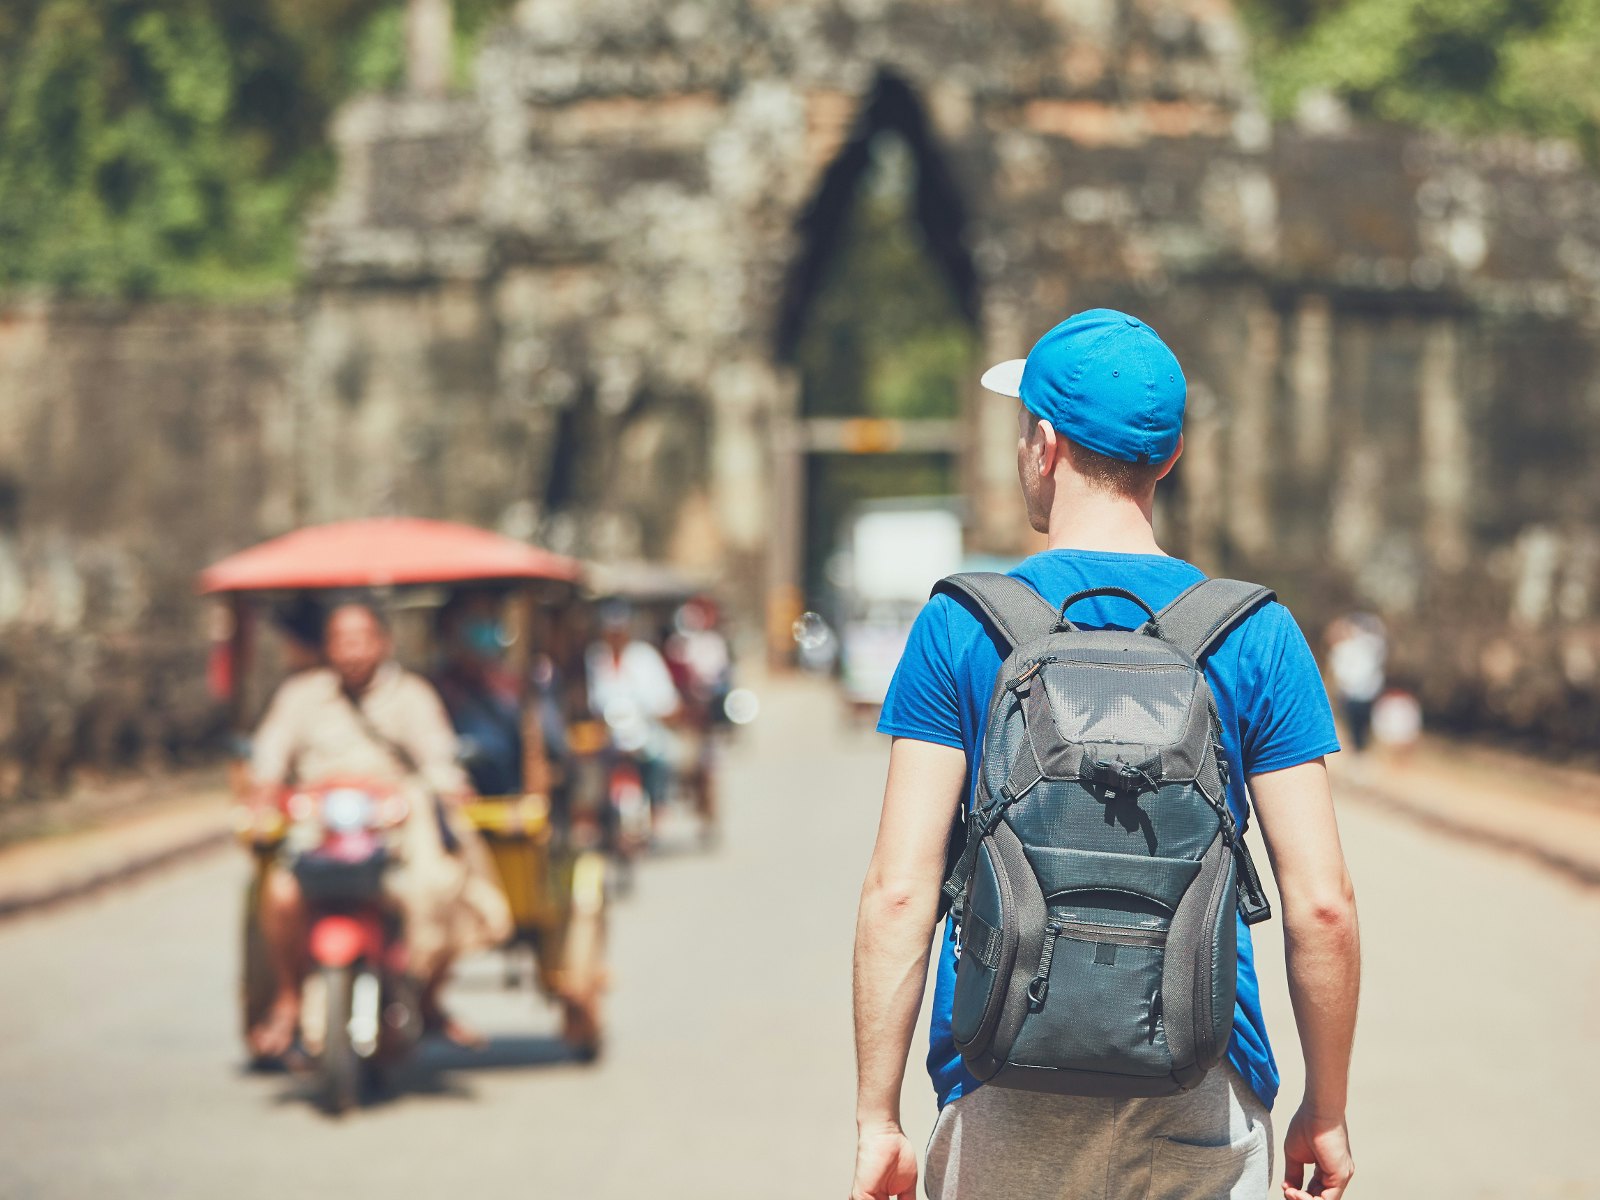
[1091,662]
[1084,931]
[1205,1016]
[1122,935]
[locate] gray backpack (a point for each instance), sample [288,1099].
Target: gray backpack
[1094,892]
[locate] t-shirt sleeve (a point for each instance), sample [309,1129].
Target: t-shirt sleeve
[922,702]
[272,748]
[1287,720]
[657,693]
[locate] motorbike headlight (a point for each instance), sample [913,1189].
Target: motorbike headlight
[345,810]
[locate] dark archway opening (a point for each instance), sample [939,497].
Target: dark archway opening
[879,320]
[892,109]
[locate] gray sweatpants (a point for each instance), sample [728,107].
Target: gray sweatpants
[1213,1143]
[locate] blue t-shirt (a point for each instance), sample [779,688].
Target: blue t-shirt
[1274,711]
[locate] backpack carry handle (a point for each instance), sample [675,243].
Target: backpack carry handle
[1064,623]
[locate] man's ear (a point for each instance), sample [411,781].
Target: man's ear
[1166,467]
[1050,448]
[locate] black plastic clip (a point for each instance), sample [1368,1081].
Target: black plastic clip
[1121,779]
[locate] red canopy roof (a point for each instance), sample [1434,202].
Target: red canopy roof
[380,552]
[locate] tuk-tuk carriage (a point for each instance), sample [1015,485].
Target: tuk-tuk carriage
[544,849]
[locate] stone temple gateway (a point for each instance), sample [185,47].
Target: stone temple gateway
[588,276]
[566,302]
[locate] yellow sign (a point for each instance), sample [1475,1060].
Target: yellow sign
[869,435]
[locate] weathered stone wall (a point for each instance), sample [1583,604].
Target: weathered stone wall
[1390,336]
[564,305]
[136,444]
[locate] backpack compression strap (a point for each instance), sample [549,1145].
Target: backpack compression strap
[1195,622]
[1205,612]
[1020,615]
[1014,608]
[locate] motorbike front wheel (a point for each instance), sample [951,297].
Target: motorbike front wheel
[339,1068]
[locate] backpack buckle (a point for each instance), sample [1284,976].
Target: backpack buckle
[1253,909]
[1120,778]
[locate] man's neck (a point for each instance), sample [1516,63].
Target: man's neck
[357,690]
[1086,519]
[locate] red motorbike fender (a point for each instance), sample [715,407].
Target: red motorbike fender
[339,939]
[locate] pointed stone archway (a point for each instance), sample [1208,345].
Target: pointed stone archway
[827,449]
[618,234]
[646,200]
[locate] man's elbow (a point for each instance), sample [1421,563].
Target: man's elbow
[899,898]
[1329,911]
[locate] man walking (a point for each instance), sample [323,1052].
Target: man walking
[1099,427]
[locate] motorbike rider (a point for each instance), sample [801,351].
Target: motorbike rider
[362,716]
[701,664]
[632,690]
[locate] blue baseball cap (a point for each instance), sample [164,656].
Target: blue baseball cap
[1104,379]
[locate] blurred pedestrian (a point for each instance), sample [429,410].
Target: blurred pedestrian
[1358,654]
[1103,401]
[1397,722]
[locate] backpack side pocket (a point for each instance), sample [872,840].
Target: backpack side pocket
[989,951]
[990,1003]
[1200,967]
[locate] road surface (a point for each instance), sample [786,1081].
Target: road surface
[729,1070]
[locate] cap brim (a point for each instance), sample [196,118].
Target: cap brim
[1005,378]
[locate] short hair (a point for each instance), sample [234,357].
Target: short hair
[366,606]
[1115,476]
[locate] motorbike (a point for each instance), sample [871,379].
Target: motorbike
[543,836]
[360,1009]
[628,800]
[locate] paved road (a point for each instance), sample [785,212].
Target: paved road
[729,1070]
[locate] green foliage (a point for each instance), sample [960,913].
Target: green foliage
[173,146]
[1472,65]
[377,54]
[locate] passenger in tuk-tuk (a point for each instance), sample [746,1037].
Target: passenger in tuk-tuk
[483,697]
[363,716]
[480,693]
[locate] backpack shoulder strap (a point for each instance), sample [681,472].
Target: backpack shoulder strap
[1020,615]
[1205,612]
[1015,609]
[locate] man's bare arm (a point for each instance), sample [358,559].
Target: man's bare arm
[894,929]
[272,749]
[1323,953]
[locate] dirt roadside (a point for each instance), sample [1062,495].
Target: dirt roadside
[1550,814]
[1544,812]
[79,846]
